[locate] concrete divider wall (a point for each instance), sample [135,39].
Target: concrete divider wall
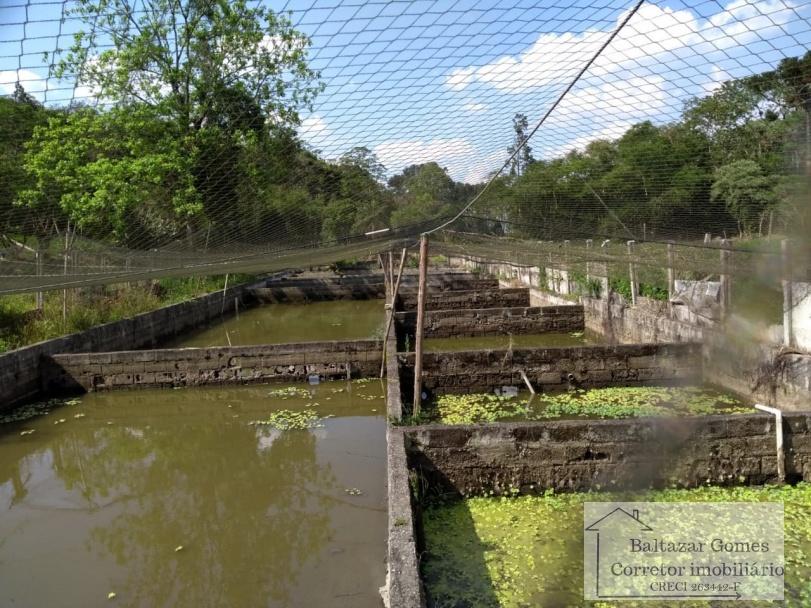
[557,368]
[199,366]
[20,376]
[454,300]
[495,321]
[584,455]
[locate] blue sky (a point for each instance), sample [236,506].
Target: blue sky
[441,80]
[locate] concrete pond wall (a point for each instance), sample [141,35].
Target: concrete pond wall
[494,321]
[222,365]
[575,455]
[550,369]
[21,371]
[510,297]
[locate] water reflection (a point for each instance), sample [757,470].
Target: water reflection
[104,502]
[281,323]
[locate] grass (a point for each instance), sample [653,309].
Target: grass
[22,324]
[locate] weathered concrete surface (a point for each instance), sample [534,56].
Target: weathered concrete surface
[454,300]
[583,455]
[320,288]
[403,586]
[557,368]
[495,321]
[221,365]
[20,376]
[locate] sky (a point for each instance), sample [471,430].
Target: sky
[420,81]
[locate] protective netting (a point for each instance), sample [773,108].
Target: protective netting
[150,138]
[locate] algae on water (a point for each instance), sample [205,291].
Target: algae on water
[615,402]
[521,552]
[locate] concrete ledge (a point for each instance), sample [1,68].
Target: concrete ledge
[495,321]
[220,365]
[403,585]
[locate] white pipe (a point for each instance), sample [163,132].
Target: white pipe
[778,430]
[373,232]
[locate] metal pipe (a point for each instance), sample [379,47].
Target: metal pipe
[778,430]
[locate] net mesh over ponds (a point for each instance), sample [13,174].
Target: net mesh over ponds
[152,138]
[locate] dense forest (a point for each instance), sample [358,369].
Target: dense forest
[191,146]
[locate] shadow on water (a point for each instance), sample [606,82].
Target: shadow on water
[453,566]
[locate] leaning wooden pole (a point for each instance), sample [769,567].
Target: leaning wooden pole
[391,310]
[420,324]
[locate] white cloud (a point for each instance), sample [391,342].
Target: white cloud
[32,82]
[651,32]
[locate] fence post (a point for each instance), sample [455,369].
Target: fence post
[671,278]
[589,243]
[788,294]
[632,272]
[725,291]
[40,294]
[420,323]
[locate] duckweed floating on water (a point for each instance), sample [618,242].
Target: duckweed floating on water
[288,420]
[617,402]
[516,552]
[290,391]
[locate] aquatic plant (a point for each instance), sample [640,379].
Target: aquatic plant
[39,408]
[475,407]
[615,402]
[631,402]
[290,391]
[288,420]
[515,552]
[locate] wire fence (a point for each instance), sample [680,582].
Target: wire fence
[155,138]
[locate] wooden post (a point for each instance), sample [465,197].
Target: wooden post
[589,243]
[391,272]
[788,300]
[420,322]
[391,310]
[224,289]
[40,295]
[725,299]
[632,272]
[671,278]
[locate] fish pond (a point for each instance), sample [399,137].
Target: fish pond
[517,552]
[298,322]
[507,341]
[598,403]
[261,495]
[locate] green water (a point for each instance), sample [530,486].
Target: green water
[516,341]
[599,403]
[528,551]
[299,322]
[101,502]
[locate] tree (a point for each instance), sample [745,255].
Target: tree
[745,190]
[202,92]
[126,171]
[524,158]
[422,192]
[192,59]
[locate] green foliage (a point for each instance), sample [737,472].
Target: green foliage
[514,552]
[745,190]
[475,408]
